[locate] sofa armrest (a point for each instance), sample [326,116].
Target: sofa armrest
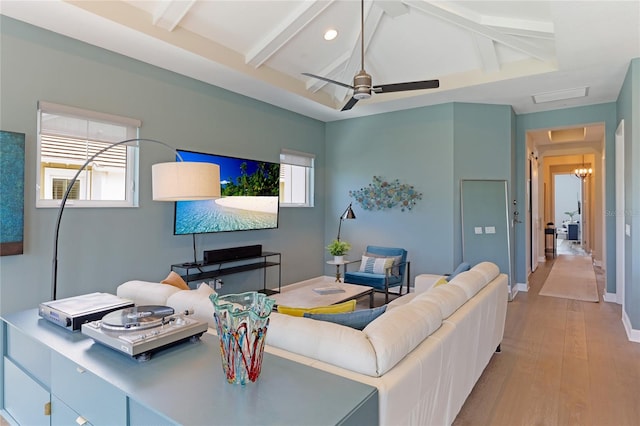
[424,282]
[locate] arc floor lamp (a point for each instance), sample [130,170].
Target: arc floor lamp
[172,181]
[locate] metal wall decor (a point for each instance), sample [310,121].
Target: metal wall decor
[11,193]
[386,194]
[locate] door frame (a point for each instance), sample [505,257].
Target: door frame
[620,216]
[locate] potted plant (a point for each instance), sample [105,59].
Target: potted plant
[571,214]
[338,249]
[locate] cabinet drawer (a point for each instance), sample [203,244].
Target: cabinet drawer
[86,394]
[63,415]
[31,355]
[24,398]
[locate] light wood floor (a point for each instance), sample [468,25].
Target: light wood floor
[563,362]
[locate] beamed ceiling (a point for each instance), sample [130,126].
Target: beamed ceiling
[494,52]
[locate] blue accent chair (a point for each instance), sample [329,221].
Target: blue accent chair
[395,276]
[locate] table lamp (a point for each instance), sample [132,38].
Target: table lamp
[173,181]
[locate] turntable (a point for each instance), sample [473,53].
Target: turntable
[142,330]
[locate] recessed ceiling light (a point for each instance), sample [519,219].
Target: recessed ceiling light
[560,95]
[330,34]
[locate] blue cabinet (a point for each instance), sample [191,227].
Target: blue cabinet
[55,377]
[572,231]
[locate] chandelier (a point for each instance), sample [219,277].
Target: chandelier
[583,172]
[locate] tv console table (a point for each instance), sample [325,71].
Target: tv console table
[52,376]
[199,271]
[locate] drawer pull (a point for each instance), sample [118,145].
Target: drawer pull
[47,409]
[81,421]
[80,370]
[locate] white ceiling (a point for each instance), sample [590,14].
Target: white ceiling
[495,52]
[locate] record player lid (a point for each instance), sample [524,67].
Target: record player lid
[137,317]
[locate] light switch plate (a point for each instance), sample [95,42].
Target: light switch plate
[627,230]
[478,229]
[489,229]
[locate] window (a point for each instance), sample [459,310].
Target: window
[67,138]
[296,179]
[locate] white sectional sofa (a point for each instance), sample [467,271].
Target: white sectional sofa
[424,354]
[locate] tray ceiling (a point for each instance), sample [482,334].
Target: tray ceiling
[496,52]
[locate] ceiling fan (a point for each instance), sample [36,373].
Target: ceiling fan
[362,83]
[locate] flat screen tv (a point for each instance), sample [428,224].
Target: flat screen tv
[249,201]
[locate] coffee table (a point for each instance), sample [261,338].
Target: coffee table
[302,294]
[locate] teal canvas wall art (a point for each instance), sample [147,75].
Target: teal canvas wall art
[11,193]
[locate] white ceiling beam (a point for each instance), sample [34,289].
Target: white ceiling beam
[442,11]
[169,13]
[284,32]
[488,56]
[520,27]
[392,8]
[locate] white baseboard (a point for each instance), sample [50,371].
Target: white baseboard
[610,297]
[542,259]
[597,262]
[632,334]
[516,289]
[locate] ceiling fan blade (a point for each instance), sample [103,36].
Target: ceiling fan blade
[328,80]
[401,87]
[349,104]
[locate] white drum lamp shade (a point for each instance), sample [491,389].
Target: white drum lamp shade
[185,181]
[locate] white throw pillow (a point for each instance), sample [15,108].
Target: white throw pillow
[376,265]
[145,292]
[194,300]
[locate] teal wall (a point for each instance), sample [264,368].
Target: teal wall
[629,111]
[101,248]
[432,148]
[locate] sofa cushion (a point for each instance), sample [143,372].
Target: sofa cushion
[328,342]
[471,282]
[372,280]
[399,331]
[488,270]
[146,293]
[196,301]
[402,300]
[448,298]
[347,306]
[175,280]
[357,319]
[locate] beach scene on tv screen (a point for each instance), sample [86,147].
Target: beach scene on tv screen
[249,190]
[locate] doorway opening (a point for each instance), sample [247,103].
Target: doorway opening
[568,214]
[556,153]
